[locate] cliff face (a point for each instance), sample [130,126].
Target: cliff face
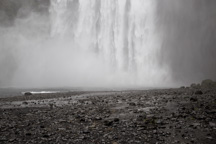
[188,32]
[18,19]
[10,9]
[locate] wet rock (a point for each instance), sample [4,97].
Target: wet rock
[154,131]
[141,118]
[209,137]
[3,139]
[98,118]
[195,125]
[193,99]
[198,92]
[82,120]
[208,84]
[116,120]
[211,111]
[82,137]
[12,139]
[159,122]
[28,93]
[207,107]
[25,103]
[108,123]
[195,86]
[132,104]
[86,131]
[62,121]
[211,124]
[61,129]
[51,105]
[46,136]
[28,134]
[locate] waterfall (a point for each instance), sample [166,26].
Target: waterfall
[58,43]
[121,34]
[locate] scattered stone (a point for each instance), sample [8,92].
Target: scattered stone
[114,122]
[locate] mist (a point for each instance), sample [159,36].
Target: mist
[188,31]
[124,43]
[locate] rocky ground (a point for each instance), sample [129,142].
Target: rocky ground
[184,115]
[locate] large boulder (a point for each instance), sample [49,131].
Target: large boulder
[195,86]
[27,93]
[208,84]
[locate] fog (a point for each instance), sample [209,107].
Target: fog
[110,43]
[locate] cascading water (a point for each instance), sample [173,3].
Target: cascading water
[82,43]
[58,43]
[120,33]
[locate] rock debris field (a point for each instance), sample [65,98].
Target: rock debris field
[184,115]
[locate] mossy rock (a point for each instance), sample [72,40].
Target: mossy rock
[195,86]
[209,84]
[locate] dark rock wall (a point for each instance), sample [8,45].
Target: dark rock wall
[11,9]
